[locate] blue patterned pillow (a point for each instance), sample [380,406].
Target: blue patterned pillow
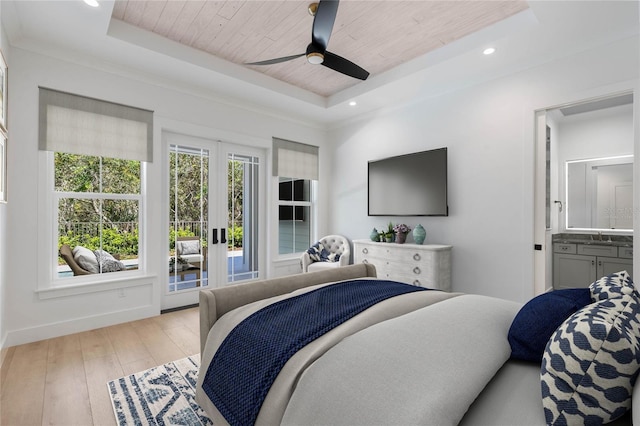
[591,363]
[534,324]
[315,251]
[318,253]
[614,285]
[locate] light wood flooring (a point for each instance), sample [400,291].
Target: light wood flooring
[63,381]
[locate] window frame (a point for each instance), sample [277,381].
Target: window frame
[49,285]
[312,214]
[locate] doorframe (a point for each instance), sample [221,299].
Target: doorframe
[190,297]
[632,86]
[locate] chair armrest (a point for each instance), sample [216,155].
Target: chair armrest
[345,258]
[305,261]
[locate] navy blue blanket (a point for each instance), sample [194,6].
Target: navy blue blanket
[251,356]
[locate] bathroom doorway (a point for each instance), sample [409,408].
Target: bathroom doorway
[584,177]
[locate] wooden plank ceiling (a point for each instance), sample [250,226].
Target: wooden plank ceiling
[377,35]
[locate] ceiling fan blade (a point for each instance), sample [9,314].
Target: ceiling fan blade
[323,22]
[276,60]
[340,64]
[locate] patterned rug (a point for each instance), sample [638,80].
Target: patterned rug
[163,395]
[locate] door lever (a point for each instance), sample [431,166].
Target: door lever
[223,235]
[215,236]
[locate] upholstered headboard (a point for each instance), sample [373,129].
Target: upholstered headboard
[217,302]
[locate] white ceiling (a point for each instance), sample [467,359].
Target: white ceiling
[546,30]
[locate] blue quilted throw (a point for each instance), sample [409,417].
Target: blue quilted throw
[249,359]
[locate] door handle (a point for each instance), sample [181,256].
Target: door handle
[223,235]
[215,236]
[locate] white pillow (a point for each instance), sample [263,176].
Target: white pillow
[188,247]
[86,259]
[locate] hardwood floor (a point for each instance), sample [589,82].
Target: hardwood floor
[63,381]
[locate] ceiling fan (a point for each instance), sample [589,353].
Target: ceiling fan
[324,13]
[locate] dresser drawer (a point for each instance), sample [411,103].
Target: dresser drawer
[370,250]
[625,252]
[597,250]
[564,248]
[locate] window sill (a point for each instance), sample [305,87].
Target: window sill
[288,257]
[86,287]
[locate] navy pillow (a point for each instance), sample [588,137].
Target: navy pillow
[539,318]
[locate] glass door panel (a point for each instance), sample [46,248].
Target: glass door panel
[188,217]
[242,212]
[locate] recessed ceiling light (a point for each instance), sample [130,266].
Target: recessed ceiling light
[489,50]
[353,103]
[92,3]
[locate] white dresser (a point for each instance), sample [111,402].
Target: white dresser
[422,265]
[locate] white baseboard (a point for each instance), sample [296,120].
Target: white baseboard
[77,325]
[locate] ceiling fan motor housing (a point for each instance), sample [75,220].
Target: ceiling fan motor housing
[315,55]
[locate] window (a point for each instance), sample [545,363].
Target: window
[98,203]
[95,164]
[296,167]
[294,215]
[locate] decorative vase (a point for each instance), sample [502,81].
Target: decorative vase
[374,235]
[419,234]
[401,237]
[388,238]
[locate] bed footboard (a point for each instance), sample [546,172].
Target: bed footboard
[217,302]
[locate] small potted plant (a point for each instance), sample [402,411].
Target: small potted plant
[401,230]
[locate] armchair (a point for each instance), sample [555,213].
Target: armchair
[67,254]
[331,251]
[190,250]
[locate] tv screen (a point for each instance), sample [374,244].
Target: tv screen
[409,185]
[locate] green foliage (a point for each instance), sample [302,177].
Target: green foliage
[124,244]
[235,237]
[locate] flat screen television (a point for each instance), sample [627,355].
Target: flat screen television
[409,185]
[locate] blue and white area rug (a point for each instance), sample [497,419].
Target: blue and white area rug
[163,395]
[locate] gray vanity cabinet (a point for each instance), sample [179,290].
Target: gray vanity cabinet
[578,265]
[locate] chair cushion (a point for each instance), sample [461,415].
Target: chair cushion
[188,247]
[86,259]
[107,262]
[319,266]
[591,363]
[534,324]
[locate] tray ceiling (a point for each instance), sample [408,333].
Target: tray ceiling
[377,35]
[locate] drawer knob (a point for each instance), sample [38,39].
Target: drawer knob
[416,257]
[416,270]
[365,250]
[365,261]
[416,283]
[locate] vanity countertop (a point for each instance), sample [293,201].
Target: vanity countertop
[594,239]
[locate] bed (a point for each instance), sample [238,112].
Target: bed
[414,357]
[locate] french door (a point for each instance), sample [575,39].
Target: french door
[214,198]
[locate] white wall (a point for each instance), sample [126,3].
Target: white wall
[29,318]
[489,130]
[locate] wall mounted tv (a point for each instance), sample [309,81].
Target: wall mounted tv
[409,185]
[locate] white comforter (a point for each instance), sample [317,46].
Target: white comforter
[426,367]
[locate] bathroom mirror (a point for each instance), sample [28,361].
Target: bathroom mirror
[600,194]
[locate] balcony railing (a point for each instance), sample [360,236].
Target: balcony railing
[93,228]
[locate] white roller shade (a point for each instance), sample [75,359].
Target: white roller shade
[80,125]
[295,160]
